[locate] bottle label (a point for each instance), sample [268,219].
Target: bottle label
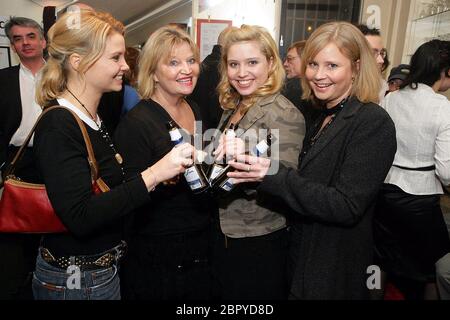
[193,178]
[175,136]
[215,172]
[260,148]
[230,134]
[227,185]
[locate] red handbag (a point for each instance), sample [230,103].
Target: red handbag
[25,207]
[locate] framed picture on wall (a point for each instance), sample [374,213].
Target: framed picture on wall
[208,31]
[5,57]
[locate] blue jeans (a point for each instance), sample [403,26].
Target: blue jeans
[50,283]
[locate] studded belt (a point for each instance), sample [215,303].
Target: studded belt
[88,262]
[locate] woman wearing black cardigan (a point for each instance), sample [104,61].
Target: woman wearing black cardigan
[169,238]
[84,62]
[344,160]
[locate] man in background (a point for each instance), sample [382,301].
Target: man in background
[373,36]
[19,111]
[292,65]
[397,76]
[293,87]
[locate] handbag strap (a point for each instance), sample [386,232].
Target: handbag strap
[91,158]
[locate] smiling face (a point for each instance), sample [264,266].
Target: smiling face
[329,75]
[107,72]
[247,67]
[27,43]
[178,74]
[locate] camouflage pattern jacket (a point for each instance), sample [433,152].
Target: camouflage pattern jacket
[245,213]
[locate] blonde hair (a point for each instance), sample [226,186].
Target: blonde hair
[354,46]
[228,96]
[157,48]
[84,33]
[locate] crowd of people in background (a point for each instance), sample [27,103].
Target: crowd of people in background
[354,179]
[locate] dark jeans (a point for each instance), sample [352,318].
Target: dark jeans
[252,268]
[168,267]
[51,283]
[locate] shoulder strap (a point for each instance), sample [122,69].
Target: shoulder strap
[91,158]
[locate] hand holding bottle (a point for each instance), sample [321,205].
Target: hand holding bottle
[171,165]
[229,146]
[250,169]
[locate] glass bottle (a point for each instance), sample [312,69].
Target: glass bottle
[218,167]
[223,183]
[194,175]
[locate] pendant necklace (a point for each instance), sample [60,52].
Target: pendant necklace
[102,130]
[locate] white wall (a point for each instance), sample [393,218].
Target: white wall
[264,13]
[180,14]
[22,8]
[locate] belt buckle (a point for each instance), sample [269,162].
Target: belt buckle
[105,260]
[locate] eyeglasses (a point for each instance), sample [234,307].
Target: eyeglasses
[382,53]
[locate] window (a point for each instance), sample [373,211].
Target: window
[299,18]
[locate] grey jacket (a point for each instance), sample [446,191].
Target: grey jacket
[243,213]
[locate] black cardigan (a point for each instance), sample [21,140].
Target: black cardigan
[94,221]
[143,139]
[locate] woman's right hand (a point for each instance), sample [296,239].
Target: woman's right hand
[171,165]
[249,169]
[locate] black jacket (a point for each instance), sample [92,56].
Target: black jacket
[293,91]
[205,93]
[10,108]
[333,195]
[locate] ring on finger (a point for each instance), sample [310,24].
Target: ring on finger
[249,168]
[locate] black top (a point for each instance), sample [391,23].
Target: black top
[143,139]
[94,221]
[205,92]
[110,109]
[11,115]
[293,91]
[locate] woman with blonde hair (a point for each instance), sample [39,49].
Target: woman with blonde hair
[86,60]
[345,157]
[251,238]
[169,237]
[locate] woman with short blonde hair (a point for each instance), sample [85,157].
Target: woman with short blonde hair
[168,256]
[158,47]
[353,45]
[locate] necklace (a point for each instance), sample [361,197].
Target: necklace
[103,132]
[319,130]
[336,108]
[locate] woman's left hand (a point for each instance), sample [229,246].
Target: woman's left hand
[250,169]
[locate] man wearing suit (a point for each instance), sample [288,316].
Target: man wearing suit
[19,112]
